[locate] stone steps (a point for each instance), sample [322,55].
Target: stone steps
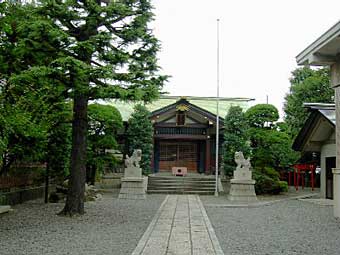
[181,185]
[183,181]
[187,192]
[160,183]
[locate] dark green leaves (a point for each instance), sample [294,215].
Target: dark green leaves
[140,135]
[307,86]
[235,138]
[262,115]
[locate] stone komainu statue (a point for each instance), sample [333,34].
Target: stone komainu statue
[241,162]
[133,161]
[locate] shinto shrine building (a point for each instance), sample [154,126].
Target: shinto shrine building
[185,130]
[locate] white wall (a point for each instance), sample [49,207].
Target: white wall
[327,150]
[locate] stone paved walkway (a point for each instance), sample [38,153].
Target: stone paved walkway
[181,226]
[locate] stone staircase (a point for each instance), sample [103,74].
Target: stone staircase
[181,185]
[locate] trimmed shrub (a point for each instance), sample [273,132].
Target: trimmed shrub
[268,182]
[283,186]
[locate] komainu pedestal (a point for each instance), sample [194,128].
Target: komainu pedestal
[242,185]
[133,183]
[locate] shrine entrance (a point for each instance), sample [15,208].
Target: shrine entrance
[330,164]
[178,153]
[184,136]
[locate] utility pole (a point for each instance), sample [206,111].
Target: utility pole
[217,105]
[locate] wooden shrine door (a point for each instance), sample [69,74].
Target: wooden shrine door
[180,154]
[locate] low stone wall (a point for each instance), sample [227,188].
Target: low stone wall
[22,195]
[110,182]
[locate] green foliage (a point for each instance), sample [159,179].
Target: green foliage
[119,61]
[52,52]
[31,107]
[235,137]
[283,186]
[59,146]
[104,122]
[271,148]
[262,115]
[23,135]
[267,181]
[140,135]
[271,145]
[307,86]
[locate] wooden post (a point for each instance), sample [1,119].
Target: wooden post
[153,156]
[207,155]
[295,178]
[312,176]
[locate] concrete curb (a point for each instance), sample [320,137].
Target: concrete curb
[5,209]
[142,242]
[260,204]
[213,237]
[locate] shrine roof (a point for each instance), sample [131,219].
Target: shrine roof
[317,128]
[206,103]
[324,50]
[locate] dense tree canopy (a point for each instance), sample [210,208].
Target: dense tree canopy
[83,50]
[31,108]
[307,86]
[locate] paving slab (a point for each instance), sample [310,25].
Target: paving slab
[180,227]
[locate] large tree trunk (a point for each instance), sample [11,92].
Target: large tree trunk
[75,196]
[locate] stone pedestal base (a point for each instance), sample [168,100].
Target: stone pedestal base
[133,188]
[242,190]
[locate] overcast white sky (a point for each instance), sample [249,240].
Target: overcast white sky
[258,44]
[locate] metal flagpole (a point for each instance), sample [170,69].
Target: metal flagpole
[217,106]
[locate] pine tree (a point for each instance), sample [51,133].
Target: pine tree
[100,49]
[31,107]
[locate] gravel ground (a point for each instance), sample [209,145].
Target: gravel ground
[286,227]
[223,198]
[110,226]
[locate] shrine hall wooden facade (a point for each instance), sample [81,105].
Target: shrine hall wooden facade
[184,136]
[185,131]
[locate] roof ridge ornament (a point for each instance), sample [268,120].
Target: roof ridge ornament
[182,107]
